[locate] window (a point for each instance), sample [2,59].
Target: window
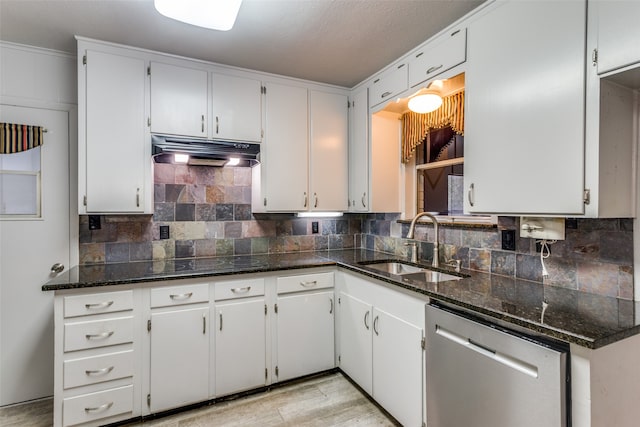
[20,184]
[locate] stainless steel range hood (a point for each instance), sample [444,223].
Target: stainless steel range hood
[203,152]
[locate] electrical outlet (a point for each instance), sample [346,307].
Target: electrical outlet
[164,232]
[509,240]
[314,227]
[94,222]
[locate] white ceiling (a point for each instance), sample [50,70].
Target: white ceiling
[340,42]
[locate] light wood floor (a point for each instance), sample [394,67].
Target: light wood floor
[329,400]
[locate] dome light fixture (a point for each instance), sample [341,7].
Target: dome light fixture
[212,14]
[427,99]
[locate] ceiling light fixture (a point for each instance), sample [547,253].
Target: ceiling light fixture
[428,99]
[213,14]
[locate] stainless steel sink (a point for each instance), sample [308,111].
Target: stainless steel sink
[411,272]
[396,268]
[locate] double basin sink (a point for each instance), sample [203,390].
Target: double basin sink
[410,271]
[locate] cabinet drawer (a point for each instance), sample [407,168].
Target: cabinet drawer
[438,57]
[387,85]
[95,406]
[178,295]
[106,302]
[97,369]
[238,289]
[305,282]
[98,333]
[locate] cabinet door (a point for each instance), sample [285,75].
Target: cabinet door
[356,319]
[179,368]
[359,152]
[525,109]
[178,100]
[438,56]
[390,83]
[618,33]
[329,177]
[305,340]
[285,162]
[398,367]
[240,346]
[236,108]
[115,133]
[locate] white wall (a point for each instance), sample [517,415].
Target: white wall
[41,79]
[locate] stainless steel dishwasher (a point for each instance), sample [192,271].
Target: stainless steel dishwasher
[480,375]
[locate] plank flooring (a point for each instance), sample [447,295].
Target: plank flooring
[329,400]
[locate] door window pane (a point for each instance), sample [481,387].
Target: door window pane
[20,184]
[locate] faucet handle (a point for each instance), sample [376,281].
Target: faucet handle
[455,263]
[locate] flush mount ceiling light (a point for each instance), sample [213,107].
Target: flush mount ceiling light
[427,100]
[212,14]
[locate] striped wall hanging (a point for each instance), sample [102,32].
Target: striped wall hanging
[15,138]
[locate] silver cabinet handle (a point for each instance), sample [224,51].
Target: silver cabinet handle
[309,284]
[375,324]
[432,69]
[98,372]
[384,95]
[217,124]
[241,290]
[366,320]
[331,306]
[202,124]
[204,324]
[471,195]
[305,199]
[101,336]
[181,296]
[315,196]
[57,268]
[220,321]
[99,305]
[137,197]
[364,195]
[100,408]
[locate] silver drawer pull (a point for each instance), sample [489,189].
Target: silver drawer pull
[101,336]
[435,68]
[100,408]
[99,372]
[99,305]
[241,290]
[181,296]
[309,284]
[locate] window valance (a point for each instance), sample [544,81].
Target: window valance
[415,126]
[15,138]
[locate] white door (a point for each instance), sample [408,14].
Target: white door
[397,367]
[28,249]
[240,346]
[355,340]
[237,108]
[305,334]
[359,152]
[179,358]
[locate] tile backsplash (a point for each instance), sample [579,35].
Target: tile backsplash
[208,211]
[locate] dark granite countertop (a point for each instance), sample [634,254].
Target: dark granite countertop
[571,316]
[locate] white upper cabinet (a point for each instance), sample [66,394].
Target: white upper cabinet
[178,100]
[236,108]
[524,119]
[618,33]
[284,168]
[328,169]
[114,155]
[359,152]
[389,83]
[438,56]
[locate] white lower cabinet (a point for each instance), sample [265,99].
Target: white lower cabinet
[304,325]
[179,365]
[380,334]
[240,336]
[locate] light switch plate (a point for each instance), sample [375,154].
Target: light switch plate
[542,228]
